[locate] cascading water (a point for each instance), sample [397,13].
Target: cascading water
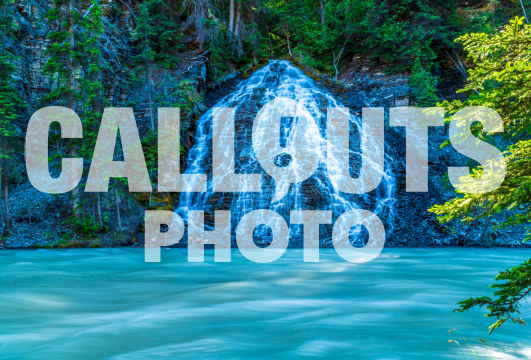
[279,80]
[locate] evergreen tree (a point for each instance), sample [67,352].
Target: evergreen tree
[423,86]
[159,39]
[502,80]
[63,66]
[92,84]
[10,102]
[77,68]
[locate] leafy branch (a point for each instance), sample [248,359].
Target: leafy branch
[513,287]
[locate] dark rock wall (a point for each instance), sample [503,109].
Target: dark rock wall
[36,216]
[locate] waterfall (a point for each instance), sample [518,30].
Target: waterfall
[280,79]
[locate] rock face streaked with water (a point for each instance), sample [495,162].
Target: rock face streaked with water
[404,215]
[276,81]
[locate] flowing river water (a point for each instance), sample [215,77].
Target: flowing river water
[108,303]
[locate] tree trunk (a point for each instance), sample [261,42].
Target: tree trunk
[270,44]
[289,47]
[117,203]
[71,85]
[231,16]
[1,182]
[483,237]
[523,10]
[200,14]
[335,67]
[3,179]
[172,6]
[5,191]
[100,218]
[148,80]
[322,12]
[237,21]
[4,32]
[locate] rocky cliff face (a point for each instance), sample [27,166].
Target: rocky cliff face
[408,221]
[32,43]
[38,217]
[363,84]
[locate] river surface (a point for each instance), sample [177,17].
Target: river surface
[108,303]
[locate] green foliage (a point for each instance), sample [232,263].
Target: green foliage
[158,35]
[86,226]
[502,79]
[186,96]
[389,39]
[297,26]
[219,47]
[79,71]
[513,286]
[512,197]
[501,73]
[10,101]
[149,145]
[91,84]
[423,86]
[76,64]
[399,32]
[395,33]
[63,62]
